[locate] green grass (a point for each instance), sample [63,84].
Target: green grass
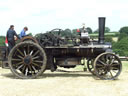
[125,65]
[106,34]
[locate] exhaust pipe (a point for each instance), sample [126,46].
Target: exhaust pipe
[101,30]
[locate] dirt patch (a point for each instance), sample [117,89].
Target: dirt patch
[62,84]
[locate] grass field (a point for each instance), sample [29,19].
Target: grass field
[125,65]
[64,84]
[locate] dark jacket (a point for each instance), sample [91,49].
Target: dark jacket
[10,35]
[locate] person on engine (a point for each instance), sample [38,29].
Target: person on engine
[10,37]
[23,32]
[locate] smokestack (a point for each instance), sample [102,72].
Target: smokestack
[101,30]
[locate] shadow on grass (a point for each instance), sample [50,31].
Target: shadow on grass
[8,75]
[66,75]
[61,75]
[54,75]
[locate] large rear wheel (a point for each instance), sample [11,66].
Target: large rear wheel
[27,60]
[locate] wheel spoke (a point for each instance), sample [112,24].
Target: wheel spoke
[30,69]
[26,73]
[114,68]
[18,63]
[38,61]
[34,68]
[20,52]
[25,53]
[112,60]
[111,74]
[31,52]
[13,59]
[20,67]
[36,53]
[101,62]
[23,69]
[100,68]
[115,64]
[20,56]
[35,57]
[106,57]
[99,65]
[35,64]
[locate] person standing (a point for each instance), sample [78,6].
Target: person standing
[23,32]
[10,37]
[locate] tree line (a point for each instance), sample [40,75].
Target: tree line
[121,46]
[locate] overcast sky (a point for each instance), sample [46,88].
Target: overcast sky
[44,15]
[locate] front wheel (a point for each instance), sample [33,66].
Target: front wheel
[107,66]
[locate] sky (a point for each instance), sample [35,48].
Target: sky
[44,15]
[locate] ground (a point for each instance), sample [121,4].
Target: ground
[63,84]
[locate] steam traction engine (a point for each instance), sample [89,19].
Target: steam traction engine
[31,57]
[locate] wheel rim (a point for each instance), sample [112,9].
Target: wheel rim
[27,60]
[29,38]
[107,66]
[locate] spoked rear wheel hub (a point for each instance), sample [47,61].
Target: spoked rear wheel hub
[27,60]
